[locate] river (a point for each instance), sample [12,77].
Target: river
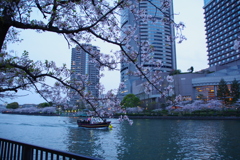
[146,139]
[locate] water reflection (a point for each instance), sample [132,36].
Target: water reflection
[38,130]
[110,143]
[157,139]
[146,139]
[99,143]
[198,139]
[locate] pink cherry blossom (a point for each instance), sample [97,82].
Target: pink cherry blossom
[80,21]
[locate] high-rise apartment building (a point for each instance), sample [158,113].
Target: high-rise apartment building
[156,34]
[222,24]
[80,65]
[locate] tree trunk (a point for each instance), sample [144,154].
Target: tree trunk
[5,20]
[3,32]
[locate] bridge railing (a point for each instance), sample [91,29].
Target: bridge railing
[13,150]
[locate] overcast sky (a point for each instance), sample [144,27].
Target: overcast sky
[54,47]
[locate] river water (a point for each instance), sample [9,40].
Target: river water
[146,139]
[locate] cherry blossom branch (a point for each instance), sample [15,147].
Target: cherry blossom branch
[51,28]
[36,88]
[33,79]
[109,65]
[79,22]
[15,89]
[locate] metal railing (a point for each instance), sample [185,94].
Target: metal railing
[13,150]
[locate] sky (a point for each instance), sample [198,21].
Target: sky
[50,46]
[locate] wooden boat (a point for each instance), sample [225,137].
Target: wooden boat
[93,123]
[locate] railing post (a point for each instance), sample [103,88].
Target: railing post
[2,150]
[10,149]
[27,153]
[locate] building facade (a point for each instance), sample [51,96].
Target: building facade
[207,85]
[204,84]
[155,34]
[81,66]
[222,29]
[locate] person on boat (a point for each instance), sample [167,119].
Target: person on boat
[88,120]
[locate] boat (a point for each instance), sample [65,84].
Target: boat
[93,123]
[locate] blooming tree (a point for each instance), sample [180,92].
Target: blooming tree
[134,110]
[79,22]
[198,105]
[33,110]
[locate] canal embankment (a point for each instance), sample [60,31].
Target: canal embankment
[187,117]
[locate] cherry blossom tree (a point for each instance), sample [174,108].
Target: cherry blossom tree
[33,110]
[134,110]
[79,22]
[198,105]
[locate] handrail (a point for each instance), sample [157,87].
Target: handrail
[13,150]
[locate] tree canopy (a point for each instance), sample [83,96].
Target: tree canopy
[235,90]
[13,105]
[130,100]
[79,22]
[223,92]
[44,104]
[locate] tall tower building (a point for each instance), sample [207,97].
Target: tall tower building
[156,34]
[80,65]
[222,29]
